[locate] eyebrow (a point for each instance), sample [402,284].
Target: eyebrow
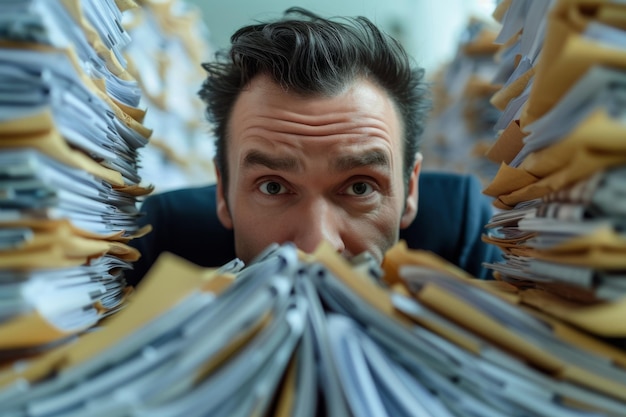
[370,158]
[258,158]
[340,164]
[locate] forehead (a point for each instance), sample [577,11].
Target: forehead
[361,110]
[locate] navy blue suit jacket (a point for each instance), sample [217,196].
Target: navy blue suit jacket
[452,213]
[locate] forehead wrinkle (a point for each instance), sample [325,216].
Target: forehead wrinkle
[255,158]
[326,125]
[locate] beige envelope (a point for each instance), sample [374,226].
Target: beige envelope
[508,144]
[158,294]
[566,55]
[596,144]
[502,97]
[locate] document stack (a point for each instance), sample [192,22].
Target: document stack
[561,183]
[170,41]
[70,129]
[316,335]
[461,126]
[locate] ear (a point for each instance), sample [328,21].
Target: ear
[412,195]
[223,213]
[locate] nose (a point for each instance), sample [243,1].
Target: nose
[320,221]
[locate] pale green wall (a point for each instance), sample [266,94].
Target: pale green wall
[430,28]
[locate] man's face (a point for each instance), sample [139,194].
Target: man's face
[305,170]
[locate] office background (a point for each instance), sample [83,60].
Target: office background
[430,30]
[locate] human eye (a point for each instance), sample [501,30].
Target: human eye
[272,188]
[359,188]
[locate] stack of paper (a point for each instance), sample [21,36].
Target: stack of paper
[296,335]
[461,125]
[563,156]
[170,41]
[70,130]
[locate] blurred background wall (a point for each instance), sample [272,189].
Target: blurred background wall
[429,29]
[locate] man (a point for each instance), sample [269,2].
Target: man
[317,124]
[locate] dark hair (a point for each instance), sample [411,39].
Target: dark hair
[311,55]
